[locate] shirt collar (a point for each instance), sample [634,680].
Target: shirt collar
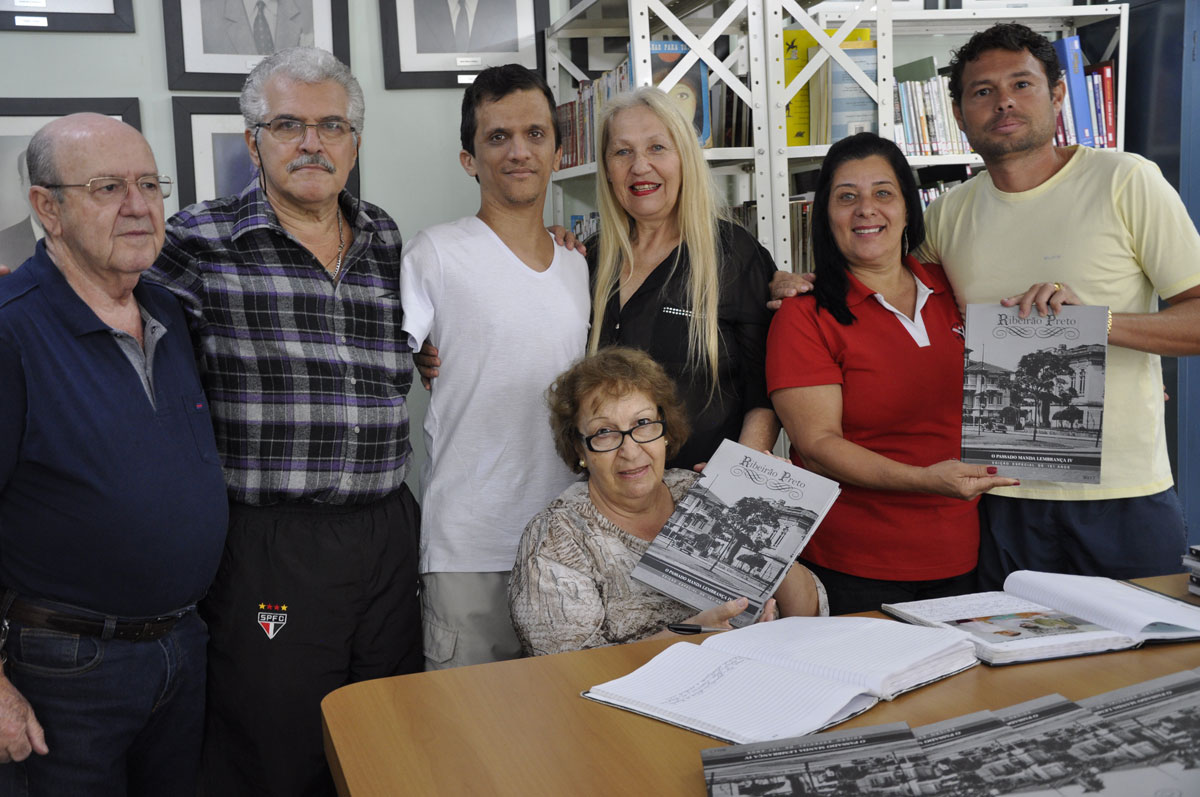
[73,311]
[857,292]
[255,212]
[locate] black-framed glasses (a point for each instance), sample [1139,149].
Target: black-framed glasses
[114,189]
[612,439]
[288,130]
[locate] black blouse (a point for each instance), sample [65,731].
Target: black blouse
[655,319]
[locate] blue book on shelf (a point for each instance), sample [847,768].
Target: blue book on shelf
[1071,59]
[690,92]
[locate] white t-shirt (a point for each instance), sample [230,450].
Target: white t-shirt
[505,332]
[1110,226]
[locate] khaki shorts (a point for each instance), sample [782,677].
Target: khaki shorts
[466,619]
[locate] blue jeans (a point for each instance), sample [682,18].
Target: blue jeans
[121,718]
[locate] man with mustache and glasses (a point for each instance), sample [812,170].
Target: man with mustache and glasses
[292,290]
[1046,226]
[112,505]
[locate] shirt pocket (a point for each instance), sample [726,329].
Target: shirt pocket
[195,408]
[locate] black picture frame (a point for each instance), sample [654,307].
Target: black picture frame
[185,114]
[227,71]
[17,232]
[398,74]
[119,20]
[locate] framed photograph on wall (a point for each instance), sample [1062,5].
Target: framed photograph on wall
[211,157]
[19,120]
[213,44]
[75,16]
[427,44]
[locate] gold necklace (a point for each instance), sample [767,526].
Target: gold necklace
[337,269]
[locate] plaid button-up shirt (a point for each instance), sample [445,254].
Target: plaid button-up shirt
[306,378]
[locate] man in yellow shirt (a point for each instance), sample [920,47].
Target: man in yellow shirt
[1047,226]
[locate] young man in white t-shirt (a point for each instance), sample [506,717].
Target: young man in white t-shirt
[510,309]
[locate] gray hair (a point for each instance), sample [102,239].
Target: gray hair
[39,160]
[304,65]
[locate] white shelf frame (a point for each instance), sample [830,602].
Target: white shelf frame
[768,94]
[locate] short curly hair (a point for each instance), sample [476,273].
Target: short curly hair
[1011,36]
[612,372]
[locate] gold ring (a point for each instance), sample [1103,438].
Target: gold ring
[1058,286]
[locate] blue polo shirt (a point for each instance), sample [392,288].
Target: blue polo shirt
[107,501]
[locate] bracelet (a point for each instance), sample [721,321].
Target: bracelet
[1108,331]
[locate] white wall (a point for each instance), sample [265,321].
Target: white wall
[409,159]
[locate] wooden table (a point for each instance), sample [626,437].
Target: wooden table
[520,727]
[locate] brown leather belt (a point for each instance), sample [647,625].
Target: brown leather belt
[139,630]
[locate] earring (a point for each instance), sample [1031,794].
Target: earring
[904,243]
[583,464]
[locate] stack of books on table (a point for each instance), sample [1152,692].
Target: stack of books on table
[1140,740]
[1191,560]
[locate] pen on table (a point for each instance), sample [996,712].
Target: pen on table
[691,628]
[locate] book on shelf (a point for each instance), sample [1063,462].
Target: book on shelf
[787,677]
[924,121]
[1075,103]
[1033,392]
[1104,73]
[797,44]
[1053,615]
[690,92]
[838,104]
[736,531]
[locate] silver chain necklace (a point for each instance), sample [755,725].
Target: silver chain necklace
[337,269]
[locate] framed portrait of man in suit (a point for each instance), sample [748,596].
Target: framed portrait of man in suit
[19,120]
[213,44]
[74,16]
[444,43]
[211,157]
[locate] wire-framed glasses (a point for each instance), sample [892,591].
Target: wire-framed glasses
[611,439]
[289,130]
[114,189]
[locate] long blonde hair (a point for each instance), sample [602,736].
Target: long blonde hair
[697,211]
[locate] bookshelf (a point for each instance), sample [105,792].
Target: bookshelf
[757,27]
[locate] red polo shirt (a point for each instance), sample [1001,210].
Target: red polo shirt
[899,399]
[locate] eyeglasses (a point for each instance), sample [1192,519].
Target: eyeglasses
[612,439]
[288,130]
[113,190]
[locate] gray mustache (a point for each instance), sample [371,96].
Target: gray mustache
[312,159]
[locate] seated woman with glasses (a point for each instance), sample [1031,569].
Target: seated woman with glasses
[616,418]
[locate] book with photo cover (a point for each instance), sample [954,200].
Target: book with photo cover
[788,677]
[1053,615]
[736,531]
[1033,392]
[838,762]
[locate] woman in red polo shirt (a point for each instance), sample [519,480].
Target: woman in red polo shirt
[866,375]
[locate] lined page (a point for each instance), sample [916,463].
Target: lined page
[864,651]
[1110,603]
[729,696]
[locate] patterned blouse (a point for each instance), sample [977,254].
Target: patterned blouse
[571,586]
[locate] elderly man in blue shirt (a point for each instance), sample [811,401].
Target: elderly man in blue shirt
[112,503]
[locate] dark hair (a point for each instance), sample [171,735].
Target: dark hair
[612,372]
[831,266]
[1011,36]
[496,83]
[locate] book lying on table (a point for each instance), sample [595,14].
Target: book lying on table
[736,531]
[787,677]
[1033,392]
[1051,615]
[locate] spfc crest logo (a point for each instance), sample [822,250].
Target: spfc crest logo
[273,618]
